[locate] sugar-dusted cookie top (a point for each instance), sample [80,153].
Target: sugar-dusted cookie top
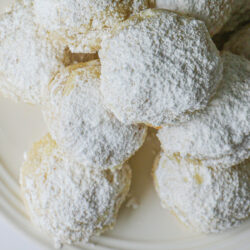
[66,199]
[157,66]
[27,59]
[220,134]
[82,24]
[79,122]
[205,199]
[214,13]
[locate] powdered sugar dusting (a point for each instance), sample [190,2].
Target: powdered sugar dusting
[219,15]
[157,66]
[67,200]
[82,24]
[214,13]
[208,200]
[27,59]
[219,135]
[78,121]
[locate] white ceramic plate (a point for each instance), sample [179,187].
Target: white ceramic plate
[147,227]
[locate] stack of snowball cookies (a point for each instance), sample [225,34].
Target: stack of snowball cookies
[102,73]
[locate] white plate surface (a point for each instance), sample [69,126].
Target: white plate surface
[147,227]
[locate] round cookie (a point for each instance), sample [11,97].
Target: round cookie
[80,124]
[157,66]
[219,135]
[214,13]
[208,200]
[82,24]
[27,59]
[66,199]
[239,42]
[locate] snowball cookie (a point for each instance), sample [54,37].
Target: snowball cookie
[79,123]
[27,61]
[68,200]
[239,42]
[214,13]
[83,24]
[220,134]
[157,66]
[205,199]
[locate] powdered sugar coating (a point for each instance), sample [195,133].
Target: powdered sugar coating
[67,200]
[27,59]
[205,199]
[220,134]
[82,24]
[214,13]
[219,15]
[81,125]
[239,42]
[157,66]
